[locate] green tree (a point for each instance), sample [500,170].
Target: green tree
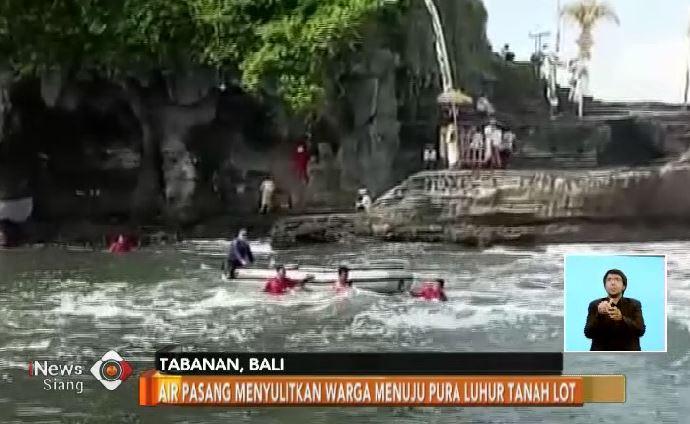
[282,44]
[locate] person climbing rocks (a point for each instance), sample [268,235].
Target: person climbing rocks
[266,189]
[300,160]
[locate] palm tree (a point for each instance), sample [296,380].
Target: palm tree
[586,14]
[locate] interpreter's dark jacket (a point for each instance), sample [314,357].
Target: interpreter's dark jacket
[610,335]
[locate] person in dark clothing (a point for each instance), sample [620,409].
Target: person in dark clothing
[240,254]
[615,323]
[507,54]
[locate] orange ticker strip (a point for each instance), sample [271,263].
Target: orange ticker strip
[162,389]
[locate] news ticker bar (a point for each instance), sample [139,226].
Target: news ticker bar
[409,363]
[156,389]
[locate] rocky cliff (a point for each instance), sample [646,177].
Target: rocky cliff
[158,148]
[524,205]
[178,149]
[514,206]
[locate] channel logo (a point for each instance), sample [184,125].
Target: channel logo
[111,370]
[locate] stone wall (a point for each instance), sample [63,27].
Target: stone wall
[514,204]
[481,208]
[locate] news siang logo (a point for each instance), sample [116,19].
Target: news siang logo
[111,370]
[57,375]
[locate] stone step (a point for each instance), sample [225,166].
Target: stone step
[655,106]
[547,155]
[552,165]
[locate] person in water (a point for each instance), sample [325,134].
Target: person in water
[240,254]
[343,283]
[431,290]
[120,245]
[280,284]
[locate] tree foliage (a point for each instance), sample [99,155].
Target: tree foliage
[280,44]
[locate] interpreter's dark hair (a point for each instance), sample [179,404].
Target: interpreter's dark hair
[619,273]
[279,267]
[343,269]
[441,282]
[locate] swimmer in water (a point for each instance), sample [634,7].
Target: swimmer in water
[281,284]
[120,245]
[343,284]
[431,290]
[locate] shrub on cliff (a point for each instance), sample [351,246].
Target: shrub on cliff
[281,45]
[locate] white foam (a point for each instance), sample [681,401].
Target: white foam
[20,346]
[262,247]
[99,303]
[220,299]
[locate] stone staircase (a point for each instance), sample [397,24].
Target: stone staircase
[669,123]
[673,119]
[598,108]
[543,160]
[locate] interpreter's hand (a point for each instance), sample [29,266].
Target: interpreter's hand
[244,263]
[604,307]
[615,314]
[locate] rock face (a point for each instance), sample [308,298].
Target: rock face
[84,149]
[93,156]
[89,148]
[512,205]
[368,151]
[385,96]
[327,228]
[482,208]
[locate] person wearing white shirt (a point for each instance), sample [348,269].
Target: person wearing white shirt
[266,189]
[484,106]
[493,136]
[363,202]
[475,147]
[430,157]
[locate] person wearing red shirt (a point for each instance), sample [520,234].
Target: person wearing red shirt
[343,284]
[300,160]
[280,284]
[431,290]
[120,246]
